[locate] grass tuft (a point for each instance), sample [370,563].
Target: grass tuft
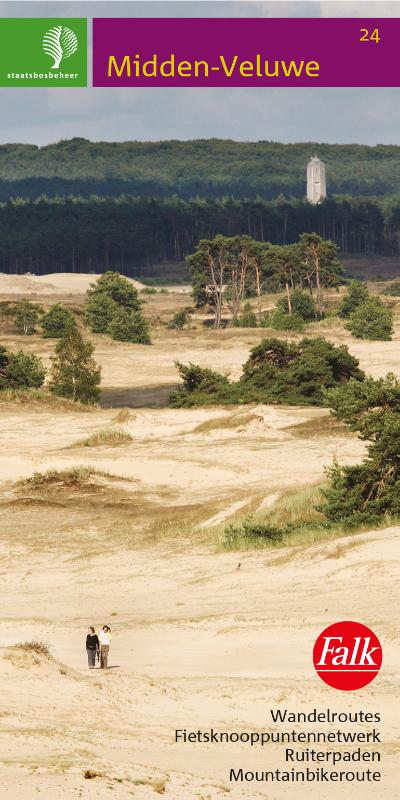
[319,427]
[74,476]
[233,421]
[42,398]
[124,415]
[108,436]
[35,646]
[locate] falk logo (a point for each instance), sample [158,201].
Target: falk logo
[59,43]
[347,655]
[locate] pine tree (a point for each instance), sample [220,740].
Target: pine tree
[74,372]
[363,492]
[99,312]
[371,320]
[356,294]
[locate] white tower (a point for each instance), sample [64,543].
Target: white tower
[316,185]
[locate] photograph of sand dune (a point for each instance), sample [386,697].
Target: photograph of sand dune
[199,434]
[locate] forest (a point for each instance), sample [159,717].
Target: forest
[132,234]
[85,206]
[209,168]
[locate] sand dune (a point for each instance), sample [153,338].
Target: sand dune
[202,637]
[197,643]
[52,283]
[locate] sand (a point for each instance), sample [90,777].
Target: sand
[202,637]
[198,643]
[52,283]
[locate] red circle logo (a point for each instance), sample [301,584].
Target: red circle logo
[347,655]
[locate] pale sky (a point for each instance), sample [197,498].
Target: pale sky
[40,116]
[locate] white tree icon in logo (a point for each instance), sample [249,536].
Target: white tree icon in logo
[58,43]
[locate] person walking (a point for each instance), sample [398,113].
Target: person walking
[105,641]
[92,647]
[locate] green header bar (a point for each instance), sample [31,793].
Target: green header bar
[43,52]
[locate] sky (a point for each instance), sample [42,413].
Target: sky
[335,115]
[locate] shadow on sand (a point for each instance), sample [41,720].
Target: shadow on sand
[137,396]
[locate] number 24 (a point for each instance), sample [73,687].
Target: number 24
[369,37]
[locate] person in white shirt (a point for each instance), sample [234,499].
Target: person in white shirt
[105,641]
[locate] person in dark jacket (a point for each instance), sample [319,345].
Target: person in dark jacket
[92,647]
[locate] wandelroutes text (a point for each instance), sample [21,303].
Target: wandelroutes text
[356,759]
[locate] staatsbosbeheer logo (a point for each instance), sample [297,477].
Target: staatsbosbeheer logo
[347,655]
[49,51]
[59,42]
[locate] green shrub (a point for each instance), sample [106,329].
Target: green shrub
[281,321]
[55,321]
[251,531]
[285,372]
[275,372]
[179,320]
[129,326]
[20,370]
[356,294]
[247,318]
[371,320]
[201,386]
[302,304]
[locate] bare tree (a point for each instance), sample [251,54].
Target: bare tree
[285,264]
[240,252]
[209,267]
[319,259]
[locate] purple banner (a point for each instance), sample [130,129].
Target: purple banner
[246,52]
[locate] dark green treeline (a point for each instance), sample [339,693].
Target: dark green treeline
[130,234]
